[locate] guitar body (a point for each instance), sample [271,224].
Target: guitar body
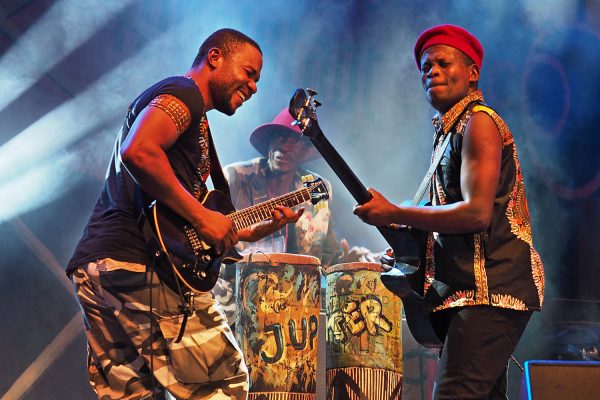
[195,262]
[409,246]
[406,278]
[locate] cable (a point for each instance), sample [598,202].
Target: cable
[516,363]
[152,330]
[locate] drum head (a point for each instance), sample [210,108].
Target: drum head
[354,266]
[280,258]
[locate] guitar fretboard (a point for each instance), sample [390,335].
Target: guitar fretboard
[262,211]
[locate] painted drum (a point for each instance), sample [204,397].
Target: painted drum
[364,340]
[278,302]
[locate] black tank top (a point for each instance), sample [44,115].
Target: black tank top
[112,231]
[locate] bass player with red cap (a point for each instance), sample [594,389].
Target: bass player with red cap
[480,246]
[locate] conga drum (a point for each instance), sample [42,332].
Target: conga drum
[364,341]
[278,302]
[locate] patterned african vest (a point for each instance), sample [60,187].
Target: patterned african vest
[498,266]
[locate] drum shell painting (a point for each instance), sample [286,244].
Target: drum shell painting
[364,338]
[278,302]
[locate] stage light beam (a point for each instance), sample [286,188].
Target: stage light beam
[64,27]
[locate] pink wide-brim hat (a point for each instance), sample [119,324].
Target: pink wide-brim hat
[282,123]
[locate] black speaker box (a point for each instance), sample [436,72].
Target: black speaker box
[560,380]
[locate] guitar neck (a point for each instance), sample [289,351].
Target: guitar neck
[262,211]
[339,166]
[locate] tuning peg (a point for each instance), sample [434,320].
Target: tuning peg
[317,103]
[311,92]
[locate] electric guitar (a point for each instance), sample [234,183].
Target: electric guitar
[407,276]
[194,262]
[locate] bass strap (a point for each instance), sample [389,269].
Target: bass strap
[438,156]
[429,175]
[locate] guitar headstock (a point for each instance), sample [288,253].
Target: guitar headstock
[317,190]
[303,108]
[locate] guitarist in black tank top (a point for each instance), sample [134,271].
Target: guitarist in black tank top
[147,336]
[480,247]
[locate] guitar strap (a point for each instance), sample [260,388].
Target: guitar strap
[216,171]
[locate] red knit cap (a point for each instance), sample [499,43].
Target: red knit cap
[453,36]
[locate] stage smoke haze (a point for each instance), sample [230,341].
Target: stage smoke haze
[69,69]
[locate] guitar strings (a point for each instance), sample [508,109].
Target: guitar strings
[262,211]
[264,208]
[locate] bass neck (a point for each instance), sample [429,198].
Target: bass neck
[339,166]
[347,176]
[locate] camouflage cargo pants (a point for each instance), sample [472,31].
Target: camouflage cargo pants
[131,328]
[224,292]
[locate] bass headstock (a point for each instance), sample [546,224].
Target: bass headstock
[317,190]
[303,108]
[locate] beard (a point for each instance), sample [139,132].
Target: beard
[221,97]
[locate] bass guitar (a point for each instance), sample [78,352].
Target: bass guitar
[193,261]
[406,277]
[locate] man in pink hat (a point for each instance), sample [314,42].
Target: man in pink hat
[278,172]
[480,245]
